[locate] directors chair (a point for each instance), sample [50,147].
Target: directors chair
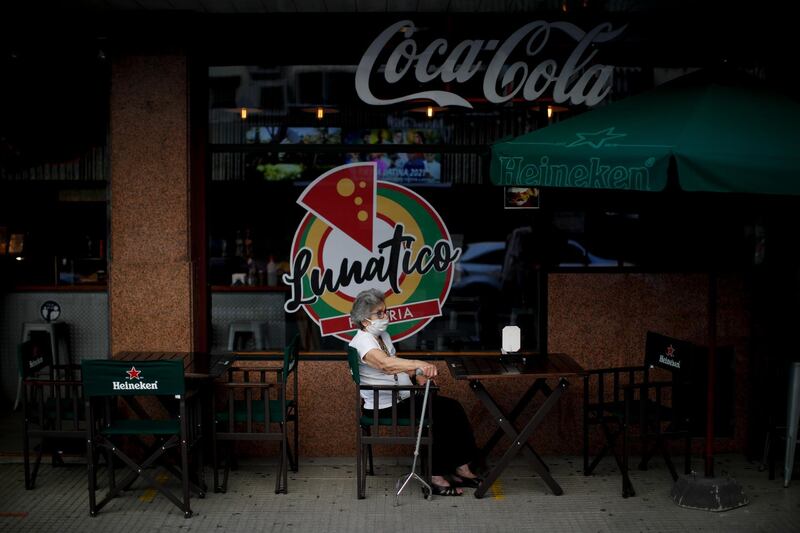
[635,401]
[52,406]
[105,383]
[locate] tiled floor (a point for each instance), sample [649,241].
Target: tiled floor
[322,498]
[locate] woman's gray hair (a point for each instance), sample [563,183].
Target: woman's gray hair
[364,303]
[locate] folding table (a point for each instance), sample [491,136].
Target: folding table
[554,367]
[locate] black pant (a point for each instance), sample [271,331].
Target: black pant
[453,441]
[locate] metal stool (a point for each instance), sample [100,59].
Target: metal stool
[255,328]
[58,333]
[792,421]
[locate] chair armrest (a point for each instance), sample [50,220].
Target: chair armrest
[648,385]
[191,394]
[397,387]
[612,370]
[70,382]
[248,385]
[67,367]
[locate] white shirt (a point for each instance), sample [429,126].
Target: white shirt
[363,342]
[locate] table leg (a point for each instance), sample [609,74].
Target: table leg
[519,440]
[523,402]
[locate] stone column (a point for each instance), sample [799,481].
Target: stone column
[150,270]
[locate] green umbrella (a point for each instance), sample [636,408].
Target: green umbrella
[710,131]
[725,134]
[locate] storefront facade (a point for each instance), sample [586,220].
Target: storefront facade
[217,125]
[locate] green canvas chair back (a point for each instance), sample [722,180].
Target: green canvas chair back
[353,360]
[129,378]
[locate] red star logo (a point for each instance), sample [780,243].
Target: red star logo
[670,351]
[133,373]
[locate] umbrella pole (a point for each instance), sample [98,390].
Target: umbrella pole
[709,493]
[712,367]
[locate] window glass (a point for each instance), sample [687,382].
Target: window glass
[53,169]
[275,129]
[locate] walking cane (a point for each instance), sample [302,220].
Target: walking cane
[403,481]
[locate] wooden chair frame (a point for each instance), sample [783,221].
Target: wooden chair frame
[247,413]
[52,406]
[387,431]
[636,402]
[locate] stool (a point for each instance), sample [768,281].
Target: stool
[518,313]
[792,421]
[255,328]
[58,333]
[471,316]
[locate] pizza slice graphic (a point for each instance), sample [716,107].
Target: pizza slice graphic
[344,198]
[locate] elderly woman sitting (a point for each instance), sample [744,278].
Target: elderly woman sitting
[454,443]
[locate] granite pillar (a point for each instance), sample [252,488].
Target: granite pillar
[150,270]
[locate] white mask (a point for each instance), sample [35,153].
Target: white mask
[376,327]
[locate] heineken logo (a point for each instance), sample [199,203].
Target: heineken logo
[134,374]
[591,174]
[35,362]
[669,357]
[597,139]
[362,233]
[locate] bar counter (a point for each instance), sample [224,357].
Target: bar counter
[341,355]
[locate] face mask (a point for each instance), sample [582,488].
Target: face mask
[376,327]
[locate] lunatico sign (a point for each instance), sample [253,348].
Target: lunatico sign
[520,67]
[362,233]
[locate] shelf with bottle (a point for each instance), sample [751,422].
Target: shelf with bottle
[249,288]
[80,270]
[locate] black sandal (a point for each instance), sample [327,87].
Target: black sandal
[461,481]
[439,490]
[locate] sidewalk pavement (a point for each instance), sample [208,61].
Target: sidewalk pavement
[322,498]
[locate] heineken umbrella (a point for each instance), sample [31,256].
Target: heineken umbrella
[709,131]
[724,133]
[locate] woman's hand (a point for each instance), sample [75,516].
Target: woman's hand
[429,370]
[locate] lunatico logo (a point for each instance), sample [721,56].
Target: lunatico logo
[363,233]
[134,374]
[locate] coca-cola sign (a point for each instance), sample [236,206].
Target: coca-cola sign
[395,54]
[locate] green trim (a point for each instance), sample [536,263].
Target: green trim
[143,427]
[257,406]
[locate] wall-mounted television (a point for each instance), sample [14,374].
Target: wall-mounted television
[409,167]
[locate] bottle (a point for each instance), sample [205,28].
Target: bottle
[248,243]
[239,245]
[251,272]
[272,272]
